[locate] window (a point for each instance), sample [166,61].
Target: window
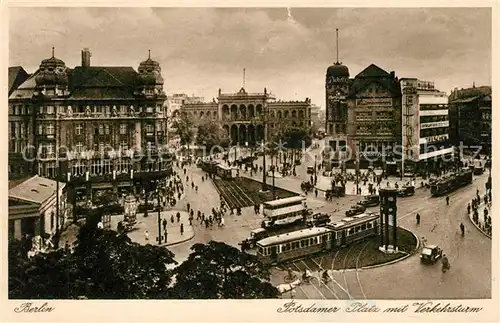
[123,109]
[40,129]
[50,129]
[124,145]
[369,225]
[351,231]
[149,109]
[11,110]
[79,129]
[79,147]
[50,109]
[50,150]
[101,129]
[107,128]
[123,129]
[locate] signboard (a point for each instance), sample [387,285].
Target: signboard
[438,124]
[432,139]
[378,101]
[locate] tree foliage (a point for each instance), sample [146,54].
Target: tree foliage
[295,137]
[103,265]
[184,128]
[217,270]
[211,134]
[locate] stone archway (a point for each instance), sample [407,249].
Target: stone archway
[225,112]
[259,135]
[234,112]
[234,134]
[202,114]
[301,114]
[280,115]
[251,135]
[286,114]
[243,111]
[258,110]
[251,111]
[294,114]
[226,130]
[242,135]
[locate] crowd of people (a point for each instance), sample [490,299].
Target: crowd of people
[475,205]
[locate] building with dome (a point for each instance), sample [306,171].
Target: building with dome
[103,125]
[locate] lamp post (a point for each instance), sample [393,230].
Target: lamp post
[159,214]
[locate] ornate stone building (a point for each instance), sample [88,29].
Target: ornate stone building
[94,121]
[243,115]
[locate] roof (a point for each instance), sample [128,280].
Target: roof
[373,71]
[354,220]
[17,75]
[292,236]
[285,200]
[35,189]
[95,82]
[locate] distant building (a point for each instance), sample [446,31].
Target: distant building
[242,114]
[32,207]
[470,118]
[175,101]
[315,117]
[425,123]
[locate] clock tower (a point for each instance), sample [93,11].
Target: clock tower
[336,90]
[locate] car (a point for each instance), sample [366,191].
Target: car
[478,170]
[255,235]
[370,200]
[406,191]
[319,219]
[355,210]
[431,254]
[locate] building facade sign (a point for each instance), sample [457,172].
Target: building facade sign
[429,140]
[439,124]
[374,102]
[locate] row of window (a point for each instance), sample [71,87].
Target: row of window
[281,206]
[426,119]
[289,246]
[433,132]
[433,106]
[435,146]
[19,109]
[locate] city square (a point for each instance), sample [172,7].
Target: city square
[124,186]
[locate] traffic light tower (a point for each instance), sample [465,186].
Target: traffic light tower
[388,210]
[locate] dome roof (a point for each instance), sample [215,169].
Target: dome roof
[337,70]
[150,79]
[150,72]
[52,71]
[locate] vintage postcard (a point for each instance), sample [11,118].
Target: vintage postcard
[236,162]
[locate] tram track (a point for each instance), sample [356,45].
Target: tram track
[300,287]
[357,270]
[312,283]
[230,195]
[344,271]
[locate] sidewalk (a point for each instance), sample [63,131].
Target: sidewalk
[480,225]
[150,224]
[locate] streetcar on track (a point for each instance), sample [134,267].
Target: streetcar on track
[284,212]
[226,172]
[452,182]
[305,242]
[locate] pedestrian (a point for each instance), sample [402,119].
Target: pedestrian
[221,223]
[188,207]
[468,208]
[206,224]
[192,213]
[192,185]
[198,216]
[172,219]
[178,216]
[165,234]
[418,218]
[191,220]
[146,235]
[182,228]
[316,192]
[447,200]
[164,222]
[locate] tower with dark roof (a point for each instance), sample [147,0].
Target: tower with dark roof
[52,77]
[150,79]
[336,91]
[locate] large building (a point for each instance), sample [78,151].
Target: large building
[470,119]
[103,125]
[426,142]
[32,207]
[363,116]
[243,115]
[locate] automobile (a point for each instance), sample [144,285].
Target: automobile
[255,235]
[478,170]
[430,254]
[406,190]
[355,210]
[310,169]
[370,200]
[319,219]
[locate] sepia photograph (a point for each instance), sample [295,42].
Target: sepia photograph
[286,153]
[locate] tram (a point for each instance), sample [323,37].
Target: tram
[448,184]
[305,242]
[226,172]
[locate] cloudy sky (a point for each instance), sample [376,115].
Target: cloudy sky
[286,50]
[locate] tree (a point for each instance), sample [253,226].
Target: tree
[294,138]
[184,128]
[103,265]
[211,134]
[219,271]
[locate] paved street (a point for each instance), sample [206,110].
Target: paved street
[470,272]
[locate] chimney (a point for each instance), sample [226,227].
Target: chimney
[86,54]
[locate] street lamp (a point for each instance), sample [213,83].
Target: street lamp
[159,214]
